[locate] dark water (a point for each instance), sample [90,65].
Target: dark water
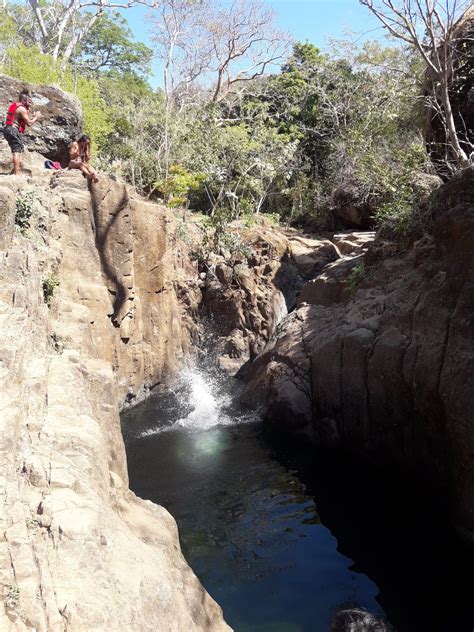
[282,537]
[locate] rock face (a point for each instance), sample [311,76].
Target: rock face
[61,122]
[78,550]
[387,373]
[351,208]
[458,191]
[334,284]
[124,274]
[32,163]
[246,297]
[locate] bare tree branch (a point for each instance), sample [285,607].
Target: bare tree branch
[61,17]
[430,28]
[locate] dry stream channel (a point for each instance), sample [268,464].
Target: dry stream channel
[282,536]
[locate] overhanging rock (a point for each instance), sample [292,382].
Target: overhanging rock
[61,122]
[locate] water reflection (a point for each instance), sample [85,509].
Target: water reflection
[259,520]
[248,528]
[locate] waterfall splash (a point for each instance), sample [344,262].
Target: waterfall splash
[199,400]
[207,400]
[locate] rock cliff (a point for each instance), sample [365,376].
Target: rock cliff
[89,315]
[379,360]
[247,293]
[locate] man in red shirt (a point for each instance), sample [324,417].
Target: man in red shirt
[18,118]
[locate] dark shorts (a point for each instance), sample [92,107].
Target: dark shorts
[14,139]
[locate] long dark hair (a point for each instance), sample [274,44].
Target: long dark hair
[85,147]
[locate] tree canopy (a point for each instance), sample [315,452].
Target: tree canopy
[242,124]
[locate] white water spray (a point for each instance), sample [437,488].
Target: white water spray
[203,401]
[206,401]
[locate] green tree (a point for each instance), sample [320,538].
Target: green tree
[431,30]
[133,146]
[109,45]
[9,35]
[58,27]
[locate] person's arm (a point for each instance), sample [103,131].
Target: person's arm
[25,116]
[74,150]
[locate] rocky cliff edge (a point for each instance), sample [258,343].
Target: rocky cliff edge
[89,314]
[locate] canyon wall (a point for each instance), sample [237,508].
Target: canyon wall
[379,360]
[79,551]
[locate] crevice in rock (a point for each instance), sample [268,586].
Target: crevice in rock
[448,334]
[101,237]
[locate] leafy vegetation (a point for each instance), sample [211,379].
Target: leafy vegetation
[25,203]
[12,596]
[176,188]
[355,278]
[224,142]
[49,284]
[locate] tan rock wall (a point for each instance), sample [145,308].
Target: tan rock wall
[117,259]
[78,550]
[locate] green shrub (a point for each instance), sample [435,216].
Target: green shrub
[25,203]
[234,243]
[50,283]
[12,596]
[178,185]
[355,278]
[272,218]
[399,214]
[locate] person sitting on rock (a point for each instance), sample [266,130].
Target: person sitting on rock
[79,155]
[18,119]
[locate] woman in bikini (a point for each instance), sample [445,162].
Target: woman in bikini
[79,155]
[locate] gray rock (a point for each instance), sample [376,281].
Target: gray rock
[61,122]
[388,373]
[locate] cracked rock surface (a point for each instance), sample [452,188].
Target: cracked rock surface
[388,370]
[78,550]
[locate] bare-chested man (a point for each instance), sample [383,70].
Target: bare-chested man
[18,118]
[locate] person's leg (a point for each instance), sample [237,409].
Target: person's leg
[13,138]
[90,173]
[16,163]
[78,164]
[75,164]
[87,171]
[93,175]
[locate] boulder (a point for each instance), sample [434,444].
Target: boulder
[458,191]
[352,207]
[61,122]
[424,184]
[311,255]
[333,285]
[353,242]
[32,163]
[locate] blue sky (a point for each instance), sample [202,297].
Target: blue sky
[315,20]
[306,20]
